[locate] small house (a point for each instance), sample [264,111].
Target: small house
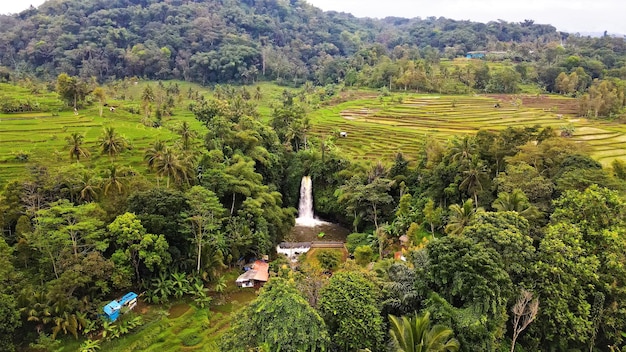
[293,249]
[343,134]
[476,54]
[256,277]
[112,309]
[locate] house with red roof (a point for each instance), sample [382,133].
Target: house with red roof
[256,277]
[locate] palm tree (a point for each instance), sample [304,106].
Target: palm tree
[473,175]
[415,334]
[89,186]
[173,167]
[111,143]
[186,135]
[463,149]
[75,142]
[154,153]
[461,216]
[516,201]
[113,179]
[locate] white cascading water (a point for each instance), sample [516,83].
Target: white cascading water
[305,209]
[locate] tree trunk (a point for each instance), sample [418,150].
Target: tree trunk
[475,200]
[513,342]
[232,207]
[199,250]
[375,216]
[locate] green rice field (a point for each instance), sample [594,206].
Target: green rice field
[378,128]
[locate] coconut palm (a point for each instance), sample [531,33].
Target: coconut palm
[475,172]
[516,201]
[89,187]
[463,149]
[154,153]
[75,142]
[113,179]
[415,334]
[111,143]
[173,166]
[186,136]
[461,216]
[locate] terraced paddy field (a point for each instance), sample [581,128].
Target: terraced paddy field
[41,135]
[378,128]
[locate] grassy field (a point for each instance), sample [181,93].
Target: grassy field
[378,127]
[180,326]
[41,135]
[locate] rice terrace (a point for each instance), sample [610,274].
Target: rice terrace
[379,127]
[376,126]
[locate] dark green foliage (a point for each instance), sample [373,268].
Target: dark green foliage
[329,260]
[280,319]
[355,240]
[349,307]
[469,290]
[159,211]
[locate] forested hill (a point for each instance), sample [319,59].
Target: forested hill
[233,41]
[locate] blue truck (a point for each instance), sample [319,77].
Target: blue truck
[113,309]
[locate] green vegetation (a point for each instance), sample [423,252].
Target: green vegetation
[486,196]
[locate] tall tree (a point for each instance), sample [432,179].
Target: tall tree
[349,307]
[461,216]
[136,246]
[280,319]
[205,215]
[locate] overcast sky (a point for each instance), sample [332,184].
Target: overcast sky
[567,15]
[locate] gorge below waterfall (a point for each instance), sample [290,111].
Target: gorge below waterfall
[307,225]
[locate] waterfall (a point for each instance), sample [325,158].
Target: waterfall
[305,209]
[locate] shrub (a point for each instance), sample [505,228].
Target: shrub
[363,255]
[328,260]
[355,240]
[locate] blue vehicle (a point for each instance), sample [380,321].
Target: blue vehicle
[112,309]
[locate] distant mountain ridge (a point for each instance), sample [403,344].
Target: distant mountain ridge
[215,41]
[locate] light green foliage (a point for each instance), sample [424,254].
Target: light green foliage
[280,319]
[135,246]
[415,334]
[66,227]
[350,309]
[363,255]
[205,215]
[433,215]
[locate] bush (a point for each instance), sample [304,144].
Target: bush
[355,240]
[328,260]
[363,255]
